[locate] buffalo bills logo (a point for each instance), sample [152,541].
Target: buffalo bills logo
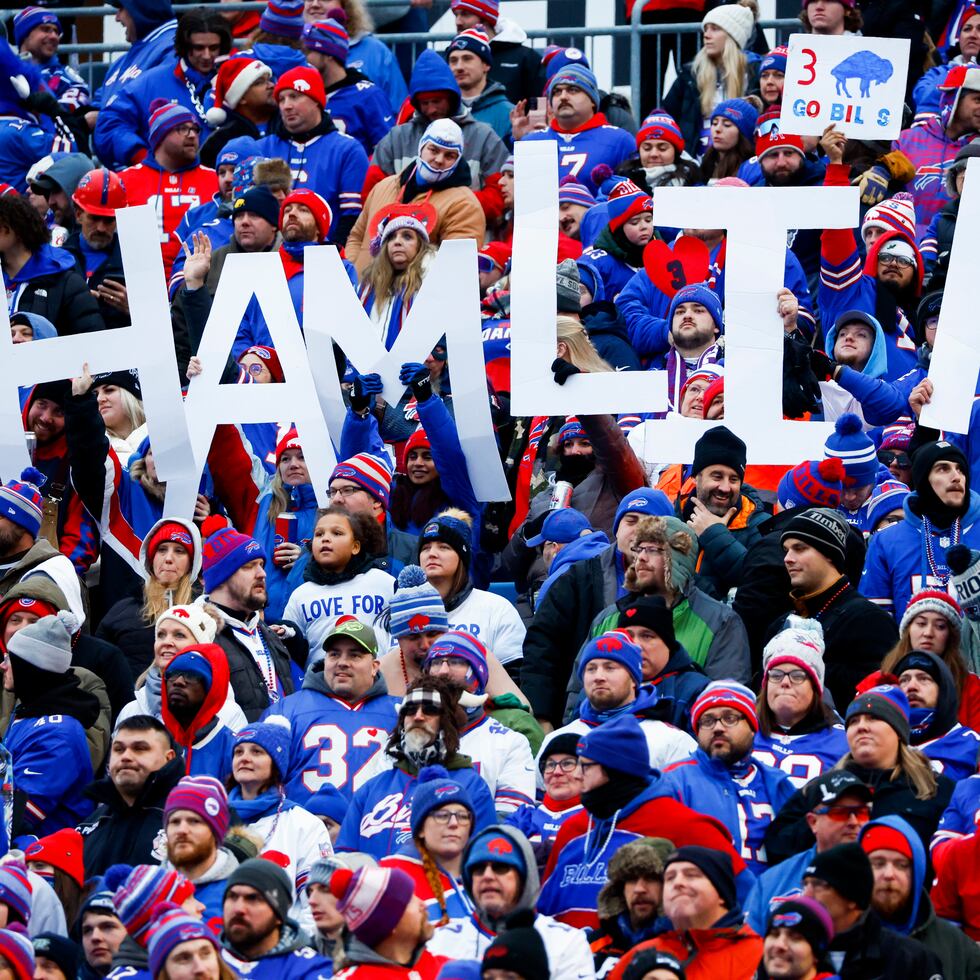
[636,502]
[301,85]
[252,546]
[418,622]
[430,529]
[182,613]
[261,352]
[786,920]
[189,931]
[500,845]
[447,791]
[608,643]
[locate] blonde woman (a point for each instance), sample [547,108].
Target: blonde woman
[402,255]
[719,71]
[120,401]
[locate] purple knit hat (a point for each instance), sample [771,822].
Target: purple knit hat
[170,927]
[225,550]
[459,643]
[165,117]
[372,900]
[205,796]
[570,191]
[329,36]
[283,17]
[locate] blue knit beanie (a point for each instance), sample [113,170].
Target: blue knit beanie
[435,788]
[698,293]
[194,663]
[887,496]
[459,643]
[886,702]
[29,18]
[647,501]
[619,745]
[496,845]
[416,606]
[741,114]
[225,550]
[615,645]
[578,75]
[273,737]
[854,449]
[21,501]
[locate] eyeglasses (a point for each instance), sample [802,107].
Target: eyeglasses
[563,765]
[887,456]
[842,812]
[796,677]
[902,261]
[497,867]
[650,552]
[343,492]
[586,766]
[728,720]
[462,817]
[185,129]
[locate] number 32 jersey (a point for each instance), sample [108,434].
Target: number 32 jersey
[334,742]
[596,142]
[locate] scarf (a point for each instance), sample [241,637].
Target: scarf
[358,563]
[622,788]
[589,714]
[428,755]
[153,685]
[272,801]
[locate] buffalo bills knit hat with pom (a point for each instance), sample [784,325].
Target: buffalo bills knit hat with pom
[698,293]
[488,10]
[659,125]
[282,17]
[854,449]
[170,927]
[435,788]
[142,890]
[933,600]
[800,643]
[202,626]
[205,796]
[615,645]
[459,643]
[474,40]
[225,551]
[887,496]
[813,483]
[625,202]
[21,501]
[273,737]
[329,36]
[372,473]
[886,702]
[372,900]
[416,606]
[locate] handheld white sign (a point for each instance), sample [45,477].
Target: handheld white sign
[855,83]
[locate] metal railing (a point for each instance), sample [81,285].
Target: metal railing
[635,31]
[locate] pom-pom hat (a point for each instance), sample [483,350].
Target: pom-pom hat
[800,643]
[16,891]
[372,900]
[487,10]
[887,496]
[813,483]
[886,702]
[459,643]
[22,503]
[172,529]
[144,888]
[659,125]
[205,796]
[225,550]
[725,694]
[372,473]
[165,117]
[329,36]
[170,927]
[625,202]
[854,449]
[62,850]
[933,600]
[235,77]
[416,606]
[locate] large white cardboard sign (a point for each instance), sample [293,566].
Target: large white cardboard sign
[857,83]
[448,303]
[147,345]
[955,362]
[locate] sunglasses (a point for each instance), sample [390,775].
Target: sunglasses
[428,709]
[841,813]
[888,457]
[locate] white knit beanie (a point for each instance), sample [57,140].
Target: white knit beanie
[734,19]
[800,643]
[46,643]
[193,618]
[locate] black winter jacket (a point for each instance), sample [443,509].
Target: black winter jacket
[107,662]
[873,952]
[789,834]
[232,128]
[112,269]
[63,298]
[117,833]
[518,68]
[124,626]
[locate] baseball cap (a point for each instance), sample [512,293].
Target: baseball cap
[831,786]
[354,629]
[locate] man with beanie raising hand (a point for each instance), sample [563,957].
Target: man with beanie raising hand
[857,633]
[49,723]
[941,512]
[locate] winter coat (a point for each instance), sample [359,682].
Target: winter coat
[458,212]
[367,964]
[238,638]
[568,952]
[375,60]
[484,153]
[956,891]
[377,822]
[124,510]
[608,334]
[959,956]
[503,758]
[455,903]
[804,752]
[50,286]
[125,627]
[360,109]
[898,566]
[209,887]
[334,742]
[576,869]
[849,283]
[516,64]
[729,950]
[110,268]
[156,27]
[937,244]
[683,102]
[873,952]
[327,161]
[588,546]
[789,834]
[744,797]
[540,824]
[122,133]
[492,107]
[611,263]
[116,832]
[835,398]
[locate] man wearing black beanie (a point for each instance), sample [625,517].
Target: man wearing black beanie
[841,880]
[724,512]
[666,664]
[941,512]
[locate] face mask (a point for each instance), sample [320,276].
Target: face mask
[426,174]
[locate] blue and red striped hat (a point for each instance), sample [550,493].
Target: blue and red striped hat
[660,125]
[225,550]
[373,473]
[813,483]
[21,501]
[143,889]
[170,927]
[487,10]
[626,201]
[283,17]
[31,17]
[329,36]
[165,117]
[205,796]
[725,694]
[459,643]
[570,191]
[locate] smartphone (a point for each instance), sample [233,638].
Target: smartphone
[31,441]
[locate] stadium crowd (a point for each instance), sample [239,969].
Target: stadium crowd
[649,719]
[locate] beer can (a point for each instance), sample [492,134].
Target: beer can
[561,495]
[285,529]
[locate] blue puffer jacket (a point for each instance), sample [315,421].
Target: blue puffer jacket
[589,546]
[374,58]
[156,27]
[783,881]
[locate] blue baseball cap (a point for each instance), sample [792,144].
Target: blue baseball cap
[563,526]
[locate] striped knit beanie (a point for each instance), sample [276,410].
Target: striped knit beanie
[813,483]
[725,694]
[801,643]
[329,36]
[474,40]
[887,496]
[895,213]
[289,441]
[225,550]
[572,429]
[576,75]
[283,17]
[933,600]
[143,889]
[488,10]
[570,191]
[416,606]
[170,927]
[16,949]
[659,125]
[205,796]
[165,117]
[373,473]
[15,890]
[854,449]
[372,900]
[626,201]
[459,643]
[30,17]
[22,502]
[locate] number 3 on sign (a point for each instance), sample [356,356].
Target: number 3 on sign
[812,55]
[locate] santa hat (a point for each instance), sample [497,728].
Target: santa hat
[235,77]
